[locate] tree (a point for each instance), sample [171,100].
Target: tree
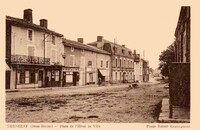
[165,58]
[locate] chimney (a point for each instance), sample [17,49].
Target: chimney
[123,45]
[28,15]
[80,40]
[43,23]
[99,38]
[134,52]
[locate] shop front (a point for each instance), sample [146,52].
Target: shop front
[28,76]
[103,76]
[90,75]
[70,76]
[53,76]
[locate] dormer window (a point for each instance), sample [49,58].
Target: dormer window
[123,51]
[130,53]
[115,49]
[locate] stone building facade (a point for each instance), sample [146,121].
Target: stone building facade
[39,57]
[179,70]
[145,70]
[85,64]
[122,60]
[33,53]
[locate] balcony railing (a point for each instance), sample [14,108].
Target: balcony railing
[29,59]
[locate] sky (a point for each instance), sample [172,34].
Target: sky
[145,26]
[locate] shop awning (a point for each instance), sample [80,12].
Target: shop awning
[104,72]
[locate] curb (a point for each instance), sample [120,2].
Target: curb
[164,115]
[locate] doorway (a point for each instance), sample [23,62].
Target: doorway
[64,79]
[124,77]
[75,78]
[40,81]
[7,80]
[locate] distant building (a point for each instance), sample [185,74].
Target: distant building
[33,53]
[157,72]
[145,70]
[84,64]
[138,67]
[122,60]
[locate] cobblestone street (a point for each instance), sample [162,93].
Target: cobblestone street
[104,104]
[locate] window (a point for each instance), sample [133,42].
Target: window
[116,76]
[30,35]
[120,63]
[32,77]
[72,60]
[131,64]
[57,75]
[123,51]
[90,77]
[53,40]
[26,77]
[128,63]
[116,62]
[40,75]
[115,49]
[106,64]
[130,53]
[89,63]
[101,63]
[53,56]
[21,77]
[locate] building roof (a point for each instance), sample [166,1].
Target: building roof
[183,16]
[120,49]
[79,45]
[24,23]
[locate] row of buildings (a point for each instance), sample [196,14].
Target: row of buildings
[39,57]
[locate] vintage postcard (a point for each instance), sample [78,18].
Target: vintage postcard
[86,64]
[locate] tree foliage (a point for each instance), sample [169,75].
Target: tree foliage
[165,58]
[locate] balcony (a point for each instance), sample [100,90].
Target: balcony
[29,59]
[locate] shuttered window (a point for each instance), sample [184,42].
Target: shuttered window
[31,51]
[30,35]
[53,56]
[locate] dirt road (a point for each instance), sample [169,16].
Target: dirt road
[110,104]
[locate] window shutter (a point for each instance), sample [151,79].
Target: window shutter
[31,51]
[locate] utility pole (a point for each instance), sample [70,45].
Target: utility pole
[144,54]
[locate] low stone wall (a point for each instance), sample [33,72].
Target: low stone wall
[179,84]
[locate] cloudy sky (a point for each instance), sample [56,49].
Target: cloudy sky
[147,26]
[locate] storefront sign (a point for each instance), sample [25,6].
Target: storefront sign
[90,69]
[71,69]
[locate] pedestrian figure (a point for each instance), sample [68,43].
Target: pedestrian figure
[99,81]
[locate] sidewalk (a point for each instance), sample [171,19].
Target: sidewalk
[47,88]
[180,115]
[68,87]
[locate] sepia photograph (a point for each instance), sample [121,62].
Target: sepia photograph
[97,62]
